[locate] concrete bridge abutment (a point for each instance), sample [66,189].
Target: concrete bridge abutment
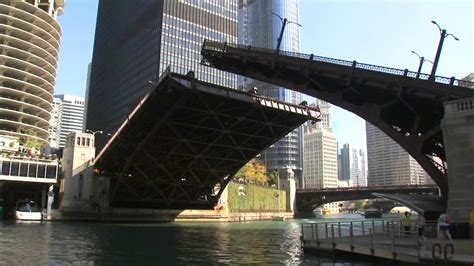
[458,132]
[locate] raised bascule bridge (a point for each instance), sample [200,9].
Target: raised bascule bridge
[186,139]
[405,105]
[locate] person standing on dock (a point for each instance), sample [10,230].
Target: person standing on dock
[406,223]
[420,223]
[443,227]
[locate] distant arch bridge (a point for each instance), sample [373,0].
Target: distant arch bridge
[309,199]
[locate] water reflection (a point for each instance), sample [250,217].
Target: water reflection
[164,244]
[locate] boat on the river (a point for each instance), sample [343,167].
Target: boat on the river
[27,210]
[372,213]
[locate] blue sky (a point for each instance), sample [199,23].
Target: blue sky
[376,32]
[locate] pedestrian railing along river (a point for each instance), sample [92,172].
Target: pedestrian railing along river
[388,233]
[380,238]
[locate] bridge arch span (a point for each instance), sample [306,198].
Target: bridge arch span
[407,108]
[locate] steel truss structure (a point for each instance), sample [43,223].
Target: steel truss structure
[186,139]
[405,106]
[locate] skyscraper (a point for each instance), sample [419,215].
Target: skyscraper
[358,173]
[320,155]
[67,117]
[388,163]
[30,37]
[320,158]
[345,162]
[260,24]
[136,41]
[29,52]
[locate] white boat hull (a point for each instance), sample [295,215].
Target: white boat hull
[28,216]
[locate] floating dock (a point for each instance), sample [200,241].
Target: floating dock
[382,239]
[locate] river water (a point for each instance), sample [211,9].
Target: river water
[58,243]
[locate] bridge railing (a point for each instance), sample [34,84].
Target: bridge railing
[221,47]
[383,234]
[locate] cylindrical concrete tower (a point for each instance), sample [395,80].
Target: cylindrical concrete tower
[29,49]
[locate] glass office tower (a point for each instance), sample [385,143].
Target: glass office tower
[136,41]
[260,23]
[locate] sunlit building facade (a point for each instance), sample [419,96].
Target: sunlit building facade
[67,117]
[388,163]
[29,49]
[320,158]
[358,173]
[136,41]
[260,23]
[320,155]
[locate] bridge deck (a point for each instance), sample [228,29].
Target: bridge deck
[186,139]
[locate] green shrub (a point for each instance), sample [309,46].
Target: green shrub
[256,198]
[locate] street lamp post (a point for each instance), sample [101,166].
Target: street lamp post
[422,60]
[443,35]
[284,21]
[94,132]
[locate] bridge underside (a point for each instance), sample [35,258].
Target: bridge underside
[184,142]
[406,108]
[308,199]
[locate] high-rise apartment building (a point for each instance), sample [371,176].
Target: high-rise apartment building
[67,117]
[388,163]
[29,48]
[345,167]
[260,23]
[136,41]
[29,52]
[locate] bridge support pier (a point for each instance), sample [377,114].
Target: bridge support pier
[288,184]
[458,132]
[82,191]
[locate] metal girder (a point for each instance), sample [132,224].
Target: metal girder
[407,109]
[187,138]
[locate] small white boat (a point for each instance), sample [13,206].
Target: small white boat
[27,210]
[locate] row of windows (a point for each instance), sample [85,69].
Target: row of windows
[80,141]
[33,170]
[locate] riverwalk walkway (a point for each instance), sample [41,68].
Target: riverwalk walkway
[384,240]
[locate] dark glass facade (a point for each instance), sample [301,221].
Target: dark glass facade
[137,40]
[345,163]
